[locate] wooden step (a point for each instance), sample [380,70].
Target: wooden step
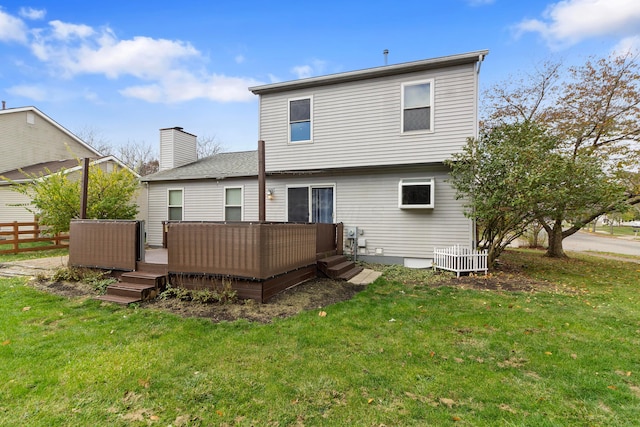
[348,275]
[152,268]
[144,277]
[337,270]
[127,289]
[332,260]
[118,299]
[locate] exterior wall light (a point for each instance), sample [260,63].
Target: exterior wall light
[270,194]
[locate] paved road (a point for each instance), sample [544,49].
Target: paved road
[583,241]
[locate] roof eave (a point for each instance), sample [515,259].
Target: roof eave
[369,73]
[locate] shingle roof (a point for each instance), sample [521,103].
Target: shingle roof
[218,166]
[53,167]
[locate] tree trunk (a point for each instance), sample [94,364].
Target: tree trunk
[555,241]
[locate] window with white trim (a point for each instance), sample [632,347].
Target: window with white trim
[416,193]
[175,203]
[300,125]
[233,204]
[417,103]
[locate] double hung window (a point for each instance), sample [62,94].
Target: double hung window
[300,126]
[233,204]
[417,102]
[175,203]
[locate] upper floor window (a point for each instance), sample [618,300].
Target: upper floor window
[233,204]
[417,102]
[300,127]
[175,205]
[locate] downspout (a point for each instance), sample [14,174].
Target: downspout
[474,226]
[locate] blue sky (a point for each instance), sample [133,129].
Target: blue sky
[125,69]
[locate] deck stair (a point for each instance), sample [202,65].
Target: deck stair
[135,286]
[338,267]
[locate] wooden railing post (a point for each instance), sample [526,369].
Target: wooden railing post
[16,237]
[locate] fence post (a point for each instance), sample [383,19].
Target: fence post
[16,236]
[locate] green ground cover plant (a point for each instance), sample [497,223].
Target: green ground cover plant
[414,348]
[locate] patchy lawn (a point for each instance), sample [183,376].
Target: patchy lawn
[540,342]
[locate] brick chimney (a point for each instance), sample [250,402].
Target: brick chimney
[177,148]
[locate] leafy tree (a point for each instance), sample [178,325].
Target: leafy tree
[56,196]
[594,112]
[500,176]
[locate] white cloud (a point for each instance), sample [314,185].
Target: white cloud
[33,14]
[316,68]
[167,70]
[239,59]
[65,31]
[12,29]
[183,86]
[36,93]
[568,22]
[628,45]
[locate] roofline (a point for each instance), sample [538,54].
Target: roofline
[53,122]
[96,161]
[369,73]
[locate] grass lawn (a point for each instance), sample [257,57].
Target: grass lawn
[622,230]
[30,255]
[401,353]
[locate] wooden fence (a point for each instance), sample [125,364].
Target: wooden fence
[460,260]
[18,234]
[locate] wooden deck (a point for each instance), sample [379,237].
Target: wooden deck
[257,260]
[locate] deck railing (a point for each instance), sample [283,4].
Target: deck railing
[460,259]
[15,237]
[250,250]
[107,244]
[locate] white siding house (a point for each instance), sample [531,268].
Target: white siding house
[373,143]
[365,148]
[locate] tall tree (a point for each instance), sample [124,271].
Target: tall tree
[594,112]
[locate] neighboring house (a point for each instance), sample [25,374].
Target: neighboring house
[32,142]
[365,148]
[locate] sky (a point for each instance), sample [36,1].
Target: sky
[122,70]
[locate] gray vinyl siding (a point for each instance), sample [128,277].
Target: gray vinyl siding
[370,202]
[9,212]
[24,144]
[177,148]
[202,201]
[359,123]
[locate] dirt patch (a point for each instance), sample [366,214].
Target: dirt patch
[65,289]
[310,295]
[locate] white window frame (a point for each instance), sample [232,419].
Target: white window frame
[305,141]
[169,205]
[310,188]
[407,182]
[226,205]
[431,106]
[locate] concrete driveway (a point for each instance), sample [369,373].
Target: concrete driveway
[584,241]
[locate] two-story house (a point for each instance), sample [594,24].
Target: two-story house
[365,148]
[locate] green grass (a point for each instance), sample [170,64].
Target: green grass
[622,230]
[30,255]
[400,353]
